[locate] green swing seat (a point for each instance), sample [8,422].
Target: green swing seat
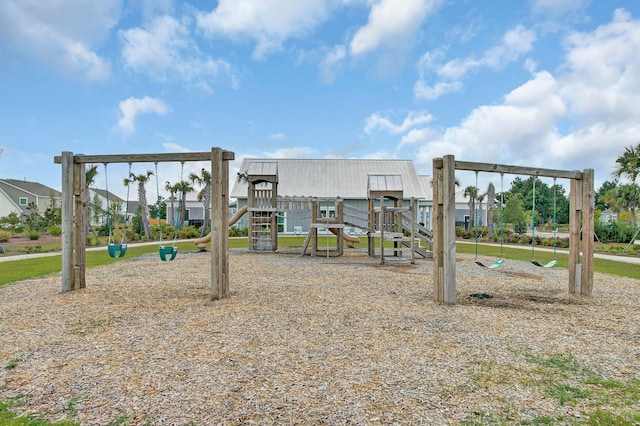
[117,250]
[554,261]
[500,261]
[167,253]
[551,264]
[495,264]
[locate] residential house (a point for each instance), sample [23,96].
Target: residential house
[16,195]
[99,199]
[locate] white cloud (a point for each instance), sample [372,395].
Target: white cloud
[331,62]
[413,119]
[269,22]
[415,136]
[515,43]
[583,117]
[380,155]
[132,107]
[602,72]
[174,147]
[391,22]
[165,49]
[423,91]
[291,152]
[277,136]
[59,34]
[557,7]
[524,126]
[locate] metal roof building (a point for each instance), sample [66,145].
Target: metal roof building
[330,178]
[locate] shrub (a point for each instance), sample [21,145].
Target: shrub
[237,232]
[524,239]
[33,235]
[91,240]
[5,236]
[563,243]
[464,234]
[188,232]
[520,227]
[11,222]
[55,231]
[102,231]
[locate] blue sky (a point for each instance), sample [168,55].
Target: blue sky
[548,83]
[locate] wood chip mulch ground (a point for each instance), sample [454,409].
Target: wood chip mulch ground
[307,340]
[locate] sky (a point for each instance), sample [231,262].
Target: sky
[539,83]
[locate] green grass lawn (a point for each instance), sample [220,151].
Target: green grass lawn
[17,270]
[490,252]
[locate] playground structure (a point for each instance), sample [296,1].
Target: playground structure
[262,178]
[331,215]
[581,211]
[319,222]
[202,242]
[385,222]
[74,211]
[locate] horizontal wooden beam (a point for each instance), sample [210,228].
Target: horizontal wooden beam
[146,158]
[512,170]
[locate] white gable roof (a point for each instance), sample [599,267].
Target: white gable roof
[330,178]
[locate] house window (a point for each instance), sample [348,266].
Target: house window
[23,201]
[281,221]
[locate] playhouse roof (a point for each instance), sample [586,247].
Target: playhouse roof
[330,178]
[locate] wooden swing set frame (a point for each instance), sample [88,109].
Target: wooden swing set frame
[74,211]
[581,210]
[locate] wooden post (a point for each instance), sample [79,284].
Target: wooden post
[575,207]
[225,218]
[412,212]
[381,224]
[588,207]
[444,230]
[274,216]
[371,247]
[67,221]
[438,228]
[315,214]
[80,255]
[449,228]
[219,225]
[340,230]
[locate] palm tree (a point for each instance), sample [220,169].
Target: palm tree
[480,199]
[471,192]
[628,164]
[142,197]
[183,187]
[204,196]
[172,190]
[624,197]
[90,178]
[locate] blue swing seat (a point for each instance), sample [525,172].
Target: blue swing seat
[117,250]
[169,251]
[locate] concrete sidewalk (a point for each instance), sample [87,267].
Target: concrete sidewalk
[5,258]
